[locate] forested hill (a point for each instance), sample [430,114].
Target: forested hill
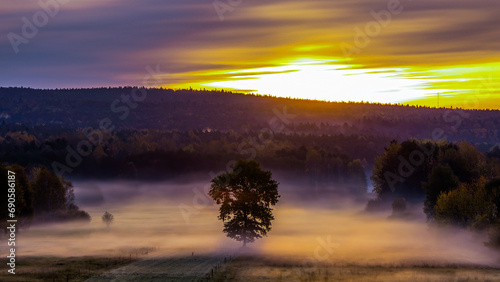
[183,110]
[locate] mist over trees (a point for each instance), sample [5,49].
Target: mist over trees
[457,184]
[317,161]
[40,196]
[324,147]
[107,218]
[422,170]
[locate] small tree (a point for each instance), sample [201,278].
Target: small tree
[107,218]
[398,206]
[246,195]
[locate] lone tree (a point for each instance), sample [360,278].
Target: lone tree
[107,218]
[245,196]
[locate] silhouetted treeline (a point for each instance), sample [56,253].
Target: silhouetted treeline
[319,161]
[458,184]
[38,196]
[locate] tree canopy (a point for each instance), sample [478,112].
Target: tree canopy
[246,196]
[107,218]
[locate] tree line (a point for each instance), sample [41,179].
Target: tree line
[184,110]
[458,184]
[40,197]
[318,161]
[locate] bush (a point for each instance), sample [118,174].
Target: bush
[398,206]
[72,215]
[107,218]
[467,206]
[373,205]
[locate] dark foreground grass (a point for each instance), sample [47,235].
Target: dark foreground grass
[252,268]
[62,269]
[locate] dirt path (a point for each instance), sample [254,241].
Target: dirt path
[189,268]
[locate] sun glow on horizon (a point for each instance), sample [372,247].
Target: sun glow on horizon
[328,80]
[465,86]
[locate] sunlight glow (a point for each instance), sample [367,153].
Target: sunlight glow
[328,80]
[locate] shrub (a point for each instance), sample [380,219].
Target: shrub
[398,206]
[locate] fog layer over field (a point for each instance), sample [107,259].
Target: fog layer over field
[177,219]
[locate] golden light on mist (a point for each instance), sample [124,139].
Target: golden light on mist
[331,231]
[349,236]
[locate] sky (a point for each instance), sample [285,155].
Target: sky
[435,53]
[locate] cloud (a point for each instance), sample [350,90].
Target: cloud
[101,43]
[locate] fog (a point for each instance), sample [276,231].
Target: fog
[178,219]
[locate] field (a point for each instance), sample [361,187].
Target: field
[332,240]
[38,268]
[241,268]
[262,269]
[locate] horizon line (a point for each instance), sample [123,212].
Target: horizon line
[242,92]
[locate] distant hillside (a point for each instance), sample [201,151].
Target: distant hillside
[164,133]
[201,110]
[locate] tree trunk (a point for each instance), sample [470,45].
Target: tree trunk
[245,229]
